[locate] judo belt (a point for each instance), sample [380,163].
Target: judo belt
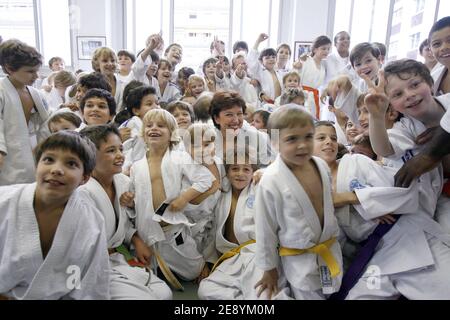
[168,274]
[231,253]
[322,250]
[359,263]
[316,99]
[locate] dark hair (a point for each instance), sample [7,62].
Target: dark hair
[73,142]
[100,133]
[284,45]
[53,60]
[208,61]
[164,61]
[423,45]
[155,57]
[439,25]
[185,73]
[135,96]
[224,58]
[264,116]
[342,151]
[268,52]
[361,49]
[250,156]
[100,93]
[171,107]
[68,116]
[381,47]
[170,47]
[15,54]
[289,95]
[324,124]
[94,80]
[240,45]
[318,42]
[127,54]
[337,36]
[224,100]
[133,84]
[407,67]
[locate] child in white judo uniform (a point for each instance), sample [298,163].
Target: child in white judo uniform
[22,112]
[199,142]
[420,273]
[296,230]
[438,40]
[156,183]
[53,239]
[105,187]
[235,273]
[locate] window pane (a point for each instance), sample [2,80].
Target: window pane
[148,21]
[196,23]
[410,27]
[251,28]
[444,9]
[56,30]
[17,20]
[342,15]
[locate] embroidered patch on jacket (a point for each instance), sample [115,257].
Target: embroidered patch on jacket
[355,184]
[250,201]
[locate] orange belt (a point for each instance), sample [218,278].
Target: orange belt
[316,99]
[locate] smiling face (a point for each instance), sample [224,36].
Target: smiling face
[107,65]
[230,119]
[183,118]
[164,72]
[363,118]
[411,96]
[343,42]
[269,62]
[175,55]
[440,46]
[149,102]
[156,133]
[296,145]
[110,156]
[125,63]
[368,65]
[240,176]
[325,144]
[25,75]
[58,173]
[96,111]
[351,131]
[196,87]
[58,65]
[210,70]
[292,82]
[258,122]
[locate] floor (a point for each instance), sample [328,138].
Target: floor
[190,292]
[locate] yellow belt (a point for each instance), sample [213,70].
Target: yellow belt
[231,253]
[168,274]
[322,249]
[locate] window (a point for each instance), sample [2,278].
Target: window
[17,21]
[212,20]
[414,41]
[444,9]
[420,5]
[397,15]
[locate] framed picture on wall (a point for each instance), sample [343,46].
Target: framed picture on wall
[300,48]
[87,45]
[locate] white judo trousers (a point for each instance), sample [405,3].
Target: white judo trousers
[127,283]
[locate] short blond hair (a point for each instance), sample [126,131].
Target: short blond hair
[291,74]
[99,53]
[289,117]
[166,117]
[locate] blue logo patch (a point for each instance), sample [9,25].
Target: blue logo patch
[250,201]
[355,184]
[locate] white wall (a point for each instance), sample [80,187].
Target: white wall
[96,18]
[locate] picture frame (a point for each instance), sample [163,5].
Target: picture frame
[301,47]
[87,45]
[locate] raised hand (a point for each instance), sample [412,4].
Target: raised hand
[376,101]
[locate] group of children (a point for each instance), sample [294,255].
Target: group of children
[133,183]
